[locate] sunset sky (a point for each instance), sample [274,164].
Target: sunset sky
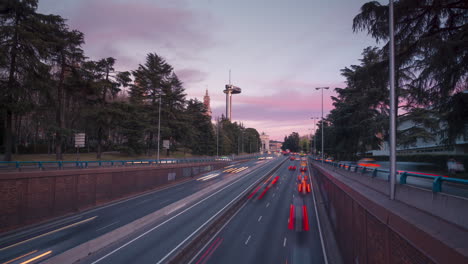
[277,50]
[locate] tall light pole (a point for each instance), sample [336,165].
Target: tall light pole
[392,106]
[217,136]
[321,88]
[159,122]
[315,132]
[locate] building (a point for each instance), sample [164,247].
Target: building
[206,102]
[427,146]
[275,146]
[265,139]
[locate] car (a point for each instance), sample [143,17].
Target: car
[298,216]
[303,169]
[368,162]
[292,158]
[303,184]
[292,167]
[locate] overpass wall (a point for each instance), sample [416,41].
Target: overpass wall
[369,233]
[30,197]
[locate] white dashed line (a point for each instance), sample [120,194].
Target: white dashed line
[268,204]
[144,201]
[284,242]
[165,201]
[106,226]
[247,241]
[260,218]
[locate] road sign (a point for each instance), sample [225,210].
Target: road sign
[80,140]
[166,144]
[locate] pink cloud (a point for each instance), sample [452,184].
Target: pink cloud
[289,83]
[130,30]
[280,113]
[190,76]
[290,100]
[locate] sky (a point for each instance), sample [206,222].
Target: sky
[278,51]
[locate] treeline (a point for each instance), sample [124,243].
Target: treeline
[296,143]
[51,90]
[431,73]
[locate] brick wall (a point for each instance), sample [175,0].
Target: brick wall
[368,233]
[30,197]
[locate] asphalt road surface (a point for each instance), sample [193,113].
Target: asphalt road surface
[260,233]
[49,239]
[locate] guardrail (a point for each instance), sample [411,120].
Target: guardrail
[437,180]
[42,165]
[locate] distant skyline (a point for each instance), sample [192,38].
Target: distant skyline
[278,51]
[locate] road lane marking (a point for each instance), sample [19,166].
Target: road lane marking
[48,233]
[107,226]
[215,215]
[38,229]
[268,204]
[274,194]
[208,250]
[324,251]
[247,241]
[213,250]
[217,233]
[144,201]
[284,242]
[185,210]
[175,208]
[20,257]
[37,257]
[260,218]
[165,201]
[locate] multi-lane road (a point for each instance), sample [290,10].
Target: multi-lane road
[258,232]
[53,238]
[261,231]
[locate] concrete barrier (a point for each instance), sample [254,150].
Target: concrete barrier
[371,228]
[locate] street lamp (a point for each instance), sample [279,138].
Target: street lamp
[392,105]
[217,136]
[315,132]
[321,88]
[159,122]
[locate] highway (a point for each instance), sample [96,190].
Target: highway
[158,243]
[50,239]
[260,232]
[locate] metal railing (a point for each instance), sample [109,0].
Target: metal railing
[42,165]
[437,180]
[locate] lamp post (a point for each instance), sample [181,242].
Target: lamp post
[159,122]
[217,136]
[392,106]
[321,88]
[315,132]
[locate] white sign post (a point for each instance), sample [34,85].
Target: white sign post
[166,144]
[80,139]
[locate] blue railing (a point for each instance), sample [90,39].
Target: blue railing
[18,165]
[437,180]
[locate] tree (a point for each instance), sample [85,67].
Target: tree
[200,136]
[66,55]
[104,83]
[430,48]
[291,142]
[251,138]
[156,81]
[24,45]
